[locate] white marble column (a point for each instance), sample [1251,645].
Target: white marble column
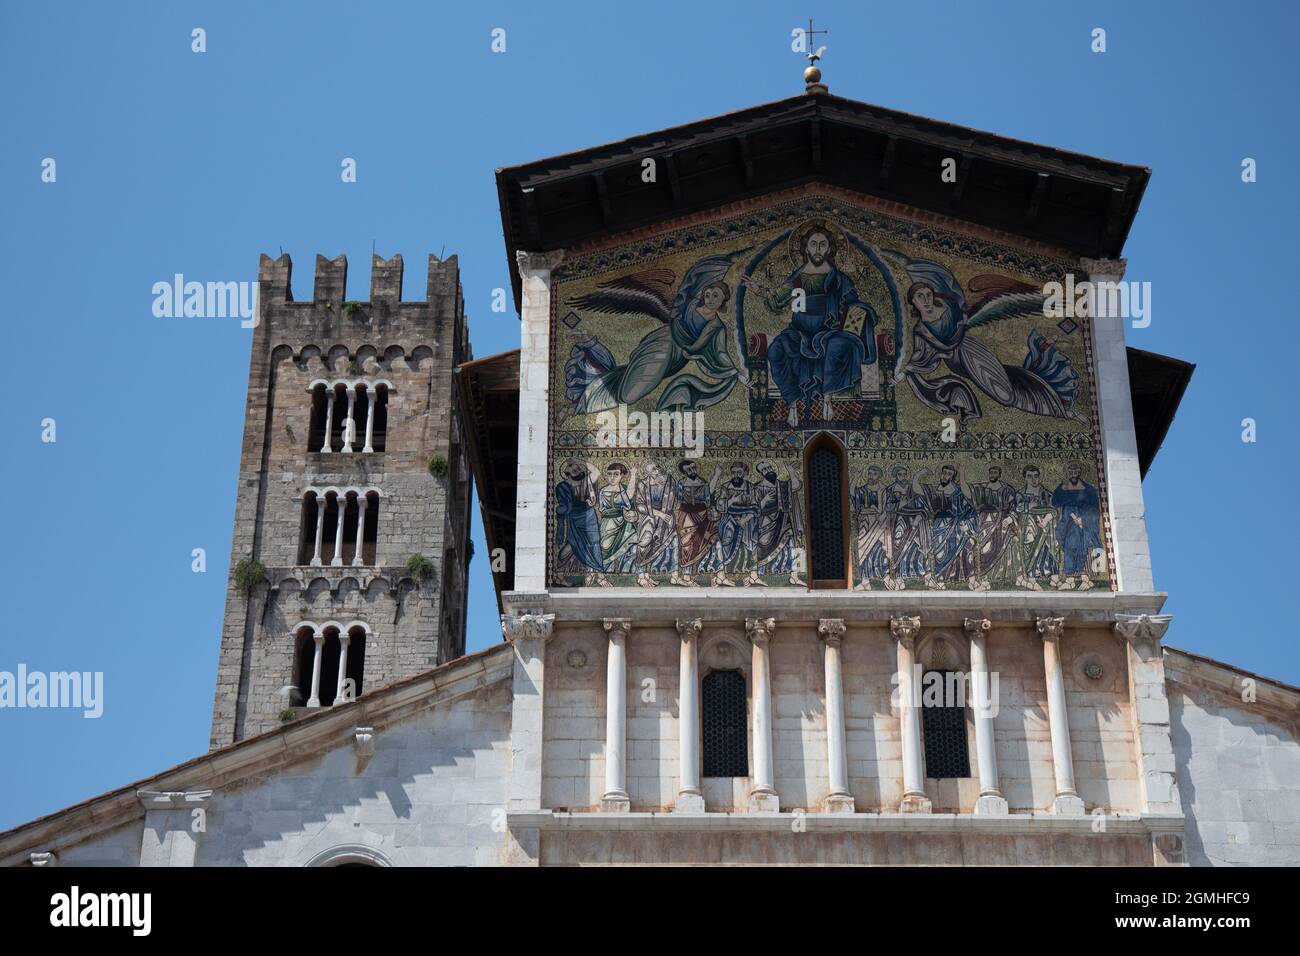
[690,797]
[905,631]
[838,799]
[344,640]
[1058,718]
[319,637]
[320,527]
[329,418]
[615,799]
[372,399]
[362,501]
[350,423]
[527,628]
[762,792]
[534,481]
[341,509]
[984,707]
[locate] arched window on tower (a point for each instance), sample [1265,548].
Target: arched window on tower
[827,513]
[317,674]
[943,719]
[724,725]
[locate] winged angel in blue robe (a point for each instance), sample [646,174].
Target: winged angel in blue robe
[691,330]
[1044,384]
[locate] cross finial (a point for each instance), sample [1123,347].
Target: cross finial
[812,77]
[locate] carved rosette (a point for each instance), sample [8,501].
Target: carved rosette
[689,630]
[538,261]
[527,623]
[1051,628]
[617,627]
[831,630]
[760,629]
[905,629]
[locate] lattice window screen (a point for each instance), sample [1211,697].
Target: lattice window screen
[945,734]
[723,715]
[825,518]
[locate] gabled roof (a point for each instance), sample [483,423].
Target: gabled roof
[489,391]
[1074,202]
[231,765]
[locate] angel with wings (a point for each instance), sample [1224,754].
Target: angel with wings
[1044,384]
[690,329]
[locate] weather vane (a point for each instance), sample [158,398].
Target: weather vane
[812,77]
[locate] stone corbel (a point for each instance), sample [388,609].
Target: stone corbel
[50,859]
[365,741]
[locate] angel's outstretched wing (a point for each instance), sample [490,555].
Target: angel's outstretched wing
[931,273]
[642,293]
[1008,306]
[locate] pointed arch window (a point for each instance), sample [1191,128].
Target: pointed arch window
[827,510]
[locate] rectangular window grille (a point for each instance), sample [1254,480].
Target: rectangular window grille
[724,716]
[945,731]
[825,517]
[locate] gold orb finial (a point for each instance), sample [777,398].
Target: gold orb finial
[812,76]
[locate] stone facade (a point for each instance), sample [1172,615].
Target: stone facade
[411,349]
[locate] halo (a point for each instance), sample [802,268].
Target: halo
[794,245]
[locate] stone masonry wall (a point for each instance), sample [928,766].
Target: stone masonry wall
[415,346]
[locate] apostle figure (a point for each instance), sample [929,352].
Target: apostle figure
[953,529]
[697,526]
[654,501]
[577,528]
[779,526]
[1038,519]
[1079,530]
[816,356]
[874,532]
[617,520]
[737,524]
[999,530]
[909,525]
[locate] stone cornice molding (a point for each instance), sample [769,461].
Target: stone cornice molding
[905,629]
[831,630]
[1051,628]
[759,629]
[1142,627]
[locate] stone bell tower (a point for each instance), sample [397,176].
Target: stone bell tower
[351,538]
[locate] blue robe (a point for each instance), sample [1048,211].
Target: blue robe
[578,526]
[814,355]
[1077,543]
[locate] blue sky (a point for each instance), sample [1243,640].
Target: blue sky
[170,161]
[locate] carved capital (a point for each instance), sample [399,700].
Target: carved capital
[617,627]
[1051,628]
[976,626]
[689,630]
[526,623]
[1104,268]
[831,630]
[905,629]
[1143,627]
[760,629]
[365,740]
[538,261]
